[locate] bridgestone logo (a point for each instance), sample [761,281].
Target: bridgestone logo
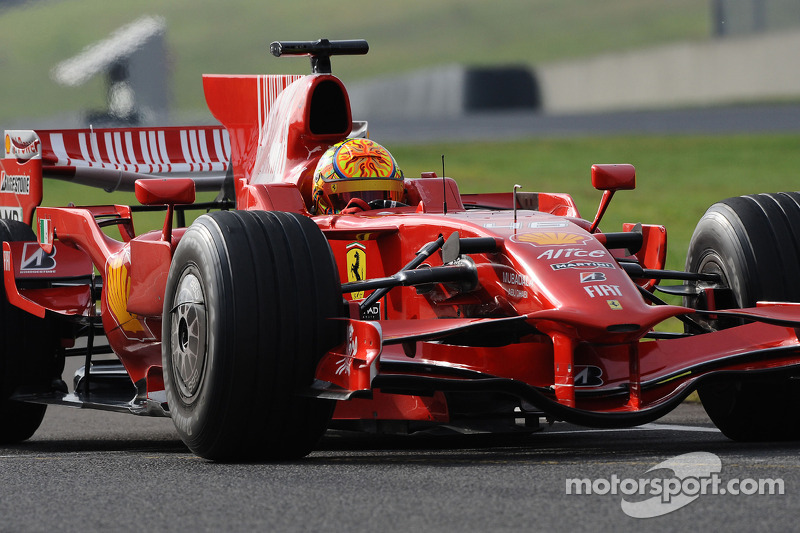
[15,184]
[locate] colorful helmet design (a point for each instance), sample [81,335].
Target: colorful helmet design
[355,168]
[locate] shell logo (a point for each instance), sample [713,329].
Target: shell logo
[8,145]
[550,238]
[118,291]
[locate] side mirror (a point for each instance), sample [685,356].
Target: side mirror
[165,191]
[613,177]
[169,191]
[609,179]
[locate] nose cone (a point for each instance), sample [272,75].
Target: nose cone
[569,273]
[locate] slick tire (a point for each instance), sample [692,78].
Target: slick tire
[245,323]
[753,242]
[27,355]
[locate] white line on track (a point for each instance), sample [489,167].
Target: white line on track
[675,427]
[645,427]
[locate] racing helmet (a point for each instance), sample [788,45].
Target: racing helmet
[355,168]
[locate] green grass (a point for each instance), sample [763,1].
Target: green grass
[62,193]
[678,178]
[206,36]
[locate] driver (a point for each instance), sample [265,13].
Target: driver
[356,175]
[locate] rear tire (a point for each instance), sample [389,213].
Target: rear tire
[245,322]
[27,356]
[753,242]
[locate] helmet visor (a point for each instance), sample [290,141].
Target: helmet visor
[342,191]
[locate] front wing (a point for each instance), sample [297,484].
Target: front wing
[592,384]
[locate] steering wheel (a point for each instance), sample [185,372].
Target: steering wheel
[385,204]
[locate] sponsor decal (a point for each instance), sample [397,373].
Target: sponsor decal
[343,366]
[614,305]
[589,277]
[516,293]
[580,265]
[588,376]
[118,291]
[602,290]
[351,349]
[6,260]
[11,213]
[356,266]
[542,224]
[515,278]
[510,225]
[373,313]
[550,238]
[514,283]
[15,184]
[37,261]
[22,148]
[567,253]
[548,224]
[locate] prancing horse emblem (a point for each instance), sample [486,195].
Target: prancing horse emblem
[356,266]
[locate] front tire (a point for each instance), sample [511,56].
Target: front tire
[753,243]
[246,319]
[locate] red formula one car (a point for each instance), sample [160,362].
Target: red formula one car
[330,291]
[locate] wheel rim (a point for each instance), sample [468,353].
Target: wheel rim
[188,336]
[712,263]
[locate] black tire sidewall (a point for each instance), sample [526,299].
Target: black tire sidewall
[26,354]
[195,420]
[755,242]
[719,239]
[270,285]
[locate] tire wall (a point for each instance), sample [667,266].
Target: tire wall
[761,233]
[270,285]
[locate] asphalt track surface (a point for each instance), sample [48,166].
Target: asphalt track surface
[97,471]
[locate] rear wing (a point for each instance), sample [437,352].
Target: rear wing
[110,158]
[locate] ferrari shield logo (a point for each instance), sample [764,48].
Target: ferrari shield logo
[356,266]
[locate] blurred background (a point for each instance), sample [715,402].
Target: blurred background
[703,96]
[73,61]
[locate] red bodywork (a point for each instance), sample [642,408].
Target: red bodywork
[552,319]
